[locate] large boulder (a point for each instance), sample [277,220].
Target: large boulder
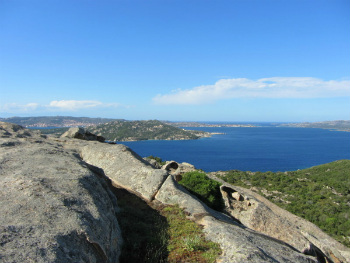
[53,207]
[125,168]
[82,134]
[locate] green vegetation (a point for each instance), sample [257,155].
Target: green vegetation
[204,188]
[320,194]
[140,130]
[160,234]
[158,160]
[187,242]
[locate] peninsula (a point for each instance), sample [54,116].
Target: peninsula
[144,130]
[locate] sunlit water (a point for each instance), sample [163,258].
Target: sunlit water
[253,149]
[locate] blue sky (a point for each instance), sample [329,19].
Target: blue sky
[180,60]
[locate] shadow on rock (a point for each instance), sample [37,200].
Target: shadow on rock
[144,230]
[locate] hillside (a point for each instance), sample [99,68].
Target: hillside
[55,121]
[319,194]
[141,130]
[88,201]
[340,125]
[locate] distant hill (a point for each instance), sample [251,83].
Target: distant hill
[55,121]
[202,124]
[340,125]
[320,194]
[141,130]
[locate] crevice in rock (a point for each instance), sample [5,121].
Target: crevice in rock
[160,186]
[98,248]
[316,252]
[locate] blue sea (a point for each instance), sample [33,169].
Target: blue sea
[252,149]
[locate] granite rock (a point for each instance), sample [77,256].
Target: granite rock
[125,168]
[82,134]
[53,207]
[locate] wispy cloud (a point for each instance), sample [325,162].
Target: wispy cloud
[275,87]
[10,107]
[57,105]
[73,105]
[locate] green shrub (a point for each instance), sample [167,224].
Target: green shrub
[204,188]
[319,194]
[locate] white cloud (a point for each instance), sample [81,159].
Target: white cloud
[15,107]
[73,105]
[276,87]
[57,105]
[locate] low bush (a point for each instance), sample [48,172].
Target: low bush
[204,188]
[319,194]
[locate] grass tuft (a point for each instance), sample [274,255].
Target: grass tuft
[160,234]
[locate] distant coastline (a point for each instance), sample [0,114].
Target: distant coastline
[203,124]
[341,125]
[67,121]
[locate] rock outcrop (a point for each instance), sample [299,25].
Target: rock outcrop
[82,134]
[259,214]
[239,242]
[56,206]
[125,168]
[53,207]
[175,168]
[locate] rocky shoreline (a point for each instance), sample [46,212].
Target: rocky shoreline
[57,205]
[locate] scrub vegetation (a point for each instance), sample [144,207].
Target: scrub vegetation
[204,188]
[320,194]
[160,233]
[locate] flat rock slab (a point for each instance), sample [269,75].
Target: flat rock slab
[125,168]
[53,208]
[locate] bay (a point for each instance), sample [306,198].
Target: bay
[252,149]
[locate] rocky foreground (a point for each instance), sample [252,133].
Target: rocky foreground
[57,205]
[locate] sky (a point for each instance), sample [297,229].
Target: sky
[177,60]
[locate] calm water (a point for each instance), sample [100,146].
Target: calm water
[253,149]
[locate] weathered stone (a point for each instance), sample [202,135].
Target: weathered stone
[176,168]
[53,208]
[82,134]
[257,213]
[172,193]
[153,162]
[244,245]
[125,168]
[9,130]
[170,166]
[237,196]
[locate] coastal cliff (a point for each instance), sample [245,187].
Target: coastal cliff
[57,205]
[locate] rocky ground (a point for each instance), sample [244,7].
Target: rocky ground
[57,205]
